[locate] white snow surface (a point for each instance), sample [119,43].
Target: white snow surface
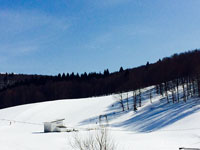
[154,126]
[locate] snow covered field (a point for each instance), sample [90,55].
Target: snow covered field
[155,126]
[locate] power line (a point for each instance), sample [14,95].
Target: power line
[99,128]
[21,122]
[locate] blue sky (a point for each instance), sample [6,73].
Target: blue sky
[55,36]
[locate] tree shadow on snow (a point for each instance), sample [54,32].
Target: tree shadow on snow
[114,111]
[148,118]
[159,115]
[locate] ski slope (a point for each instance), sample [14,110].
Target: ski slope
[154,126]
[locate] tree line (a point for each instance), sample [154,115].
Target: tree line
[167,74]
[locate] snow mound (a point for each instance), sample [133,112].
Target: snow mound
[156,125]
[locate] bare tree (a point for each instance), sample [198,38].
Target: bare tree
[187,88]
[198,84]
[134,101]
[177,85]
[127,102]
[161,89]
[166,92]
[193,87]
[99,140]
[173,96]
[121,101]
[150,96]
[167,97]
[119,98]
[140,98]
[184,94]
[157,89]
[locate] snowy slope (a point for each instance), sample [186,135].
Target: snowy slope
[155,126]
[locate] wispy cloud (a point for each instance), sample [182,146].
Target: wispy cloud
[17,21]
[17,49]
[119,37]
[26,31]
[110,3]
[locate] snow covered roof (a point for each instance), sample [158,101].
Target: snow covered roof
[56,120]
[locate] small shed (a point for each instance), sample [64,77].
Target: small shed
[55,126]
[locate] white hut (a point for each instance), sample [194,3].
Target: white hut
[55,126]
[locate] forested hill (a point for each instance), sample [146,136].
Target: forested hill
[10,79]
[23,89]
